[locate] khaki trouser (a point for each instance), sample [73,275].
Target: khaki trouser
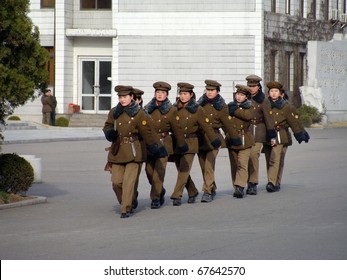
[155,171]
[253,164]
[281,166]
[124,177]
[239,166]
[184,165]
[207,161]
[273,162]
[46,118]
[136,192]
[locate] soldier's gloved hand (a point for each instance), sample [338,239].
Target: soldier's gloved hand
[232,106]
[111,135]
[299,137]
[182,149]
[162,152]
[216,143]
[270,134]
[307,137]
[234,141]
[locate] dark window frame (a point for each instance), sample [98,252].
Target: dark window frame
[47,4]
[95,4]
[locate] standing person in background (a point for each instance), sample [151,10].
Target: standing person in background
[125,126]
[163,117]
[47,106]
[191,118]
[240,115]
[284,118]
[54,106]
[262,127]
[216,110]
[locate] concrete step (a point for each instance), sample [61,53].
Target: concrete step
[87,120]
[18,125]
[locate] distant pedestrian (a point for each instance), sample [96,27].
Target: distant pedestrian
[47,107]
[54,106]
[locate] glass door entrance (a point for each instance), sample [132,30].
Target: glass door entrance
[95,86]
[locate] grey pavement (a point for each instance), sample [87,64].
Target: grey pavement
[307,219]
[51,134]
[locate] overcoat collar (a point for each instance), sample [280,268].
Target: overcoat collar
[164,107]
[218,102]
[131,110]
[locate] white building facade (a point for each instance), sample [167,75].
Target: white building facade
[97,44]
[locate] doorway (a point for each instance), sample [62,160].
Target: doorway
[95,86]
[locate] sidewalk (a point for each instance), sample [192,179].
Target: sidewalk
[51,134]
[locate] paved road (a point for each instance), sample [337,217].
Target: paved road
[307,219]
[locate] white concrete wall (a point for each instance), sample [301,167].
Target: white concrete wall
[158,44]
[327,82]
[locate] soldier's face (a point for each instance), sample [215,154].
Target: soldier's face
[240,97]
[125,100]
[185,96]
[253,89]
[274,93]
[211,93]
[160,95]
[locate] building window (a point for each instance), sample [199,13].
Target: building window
[326,9]
[313,9]
[47,4]
[96,4]
[50,65]
[301,8]
[273,6]
[344,6]
[288,7]
[273,65]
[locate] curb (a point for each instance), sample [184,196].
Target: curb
[35,200]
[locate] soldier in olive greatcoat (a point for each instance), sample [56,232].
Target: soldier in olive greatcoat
[125,127]
[285,117]
[163,116]
[262,128]
[240,115]
[215,108]
[191,118]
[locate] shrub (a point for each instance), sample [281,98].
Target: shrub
[62,121]
[16,174]
[309,115]
[14,118]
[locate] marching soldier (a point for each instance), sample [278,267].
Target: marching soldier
[240,114]
[262,128]
[191,118]
[163,116]
[125,126]
[215,108]
[285,117]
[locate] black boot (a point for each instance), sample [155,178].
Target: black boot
[162,196]
[251,189]
[271,188]
[239,192]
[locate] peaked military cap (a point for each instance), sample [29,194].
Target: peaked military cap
[162,86]
[243,89]
[185,87]
[138,92]
[274,84]
[210,84]
[253,80]
[123,90]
